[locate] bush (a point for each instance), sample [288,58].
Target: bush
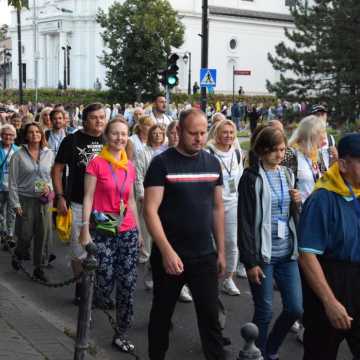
[82,96]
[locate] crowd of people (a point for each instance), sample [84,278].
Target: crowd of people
[155,187]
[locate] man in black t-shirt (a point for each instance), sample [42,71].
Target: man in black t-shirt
[184,210]
[75,151]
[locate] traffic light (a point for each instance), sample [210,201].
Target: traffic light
[172,78]
[162,77]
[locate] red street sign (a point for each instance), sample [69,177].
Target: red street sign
[242,72]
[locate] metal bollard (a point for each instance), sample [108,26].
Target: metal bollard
[250,333]
[84,316]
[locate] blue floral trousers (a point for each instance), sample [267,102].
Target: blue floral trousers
[117,259]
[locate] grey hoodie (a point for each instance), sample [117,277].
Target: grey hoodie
[24,172]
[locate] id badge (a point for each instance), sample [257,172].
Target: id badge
[232,185]
[281,229]
[39,186]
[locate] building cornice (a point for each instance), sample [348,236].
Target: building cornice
[250,14]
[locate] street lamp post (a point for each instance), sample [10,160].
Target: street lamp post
[186,58]
[68,48]
[65,78]
[204,49]
[21,93]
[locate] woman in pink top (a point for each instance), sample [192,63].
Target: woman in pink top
[109,184]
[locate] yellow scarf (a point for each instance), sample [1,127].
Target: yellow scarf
[314,153]
[333,181]
[119,164]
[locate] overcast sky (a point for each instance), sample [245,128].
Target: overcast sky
[4,12]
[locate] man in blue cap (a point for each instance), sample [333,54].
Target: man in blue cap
[329,245]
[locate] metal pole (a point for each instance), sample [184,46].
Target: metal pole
[18,17]
[68,48]
[35,54]
[233,85]
[4,82]
[204,49]
[84,316]
[65,79]
[189,84]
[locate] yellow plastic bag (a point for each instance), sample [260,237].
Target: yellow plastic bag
[63,225]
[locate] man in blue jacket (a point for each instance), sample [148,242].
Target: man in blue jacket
[329,244]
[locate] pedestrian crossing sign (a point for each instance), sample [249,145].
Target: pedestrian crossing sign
[207,77]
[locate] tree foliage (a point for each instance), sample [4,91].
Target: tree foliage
[3,31]
[139,35]
[322,60]
[19,4]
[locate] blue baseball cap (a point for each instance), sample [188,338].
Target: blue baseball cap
[349,145]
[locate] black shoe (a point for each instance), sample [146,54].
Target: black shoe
[40,275]
[22,257]
[15,264]
[52,257]
[226,341]
[77,297]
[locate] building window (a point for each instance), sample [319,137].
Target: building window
[290,3]
[233,44]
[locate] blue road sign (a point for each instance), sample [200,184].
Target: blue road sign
[208,77]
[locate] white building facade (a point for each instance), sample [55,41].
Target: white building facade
[241,34]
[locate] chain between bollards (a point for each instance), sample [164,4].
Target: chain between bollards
[87,291]
[250,333]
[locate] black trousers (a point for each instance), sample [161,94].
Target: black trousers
[201,276]
[321,339]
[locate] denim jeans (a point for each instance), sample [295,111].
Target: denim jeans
[287,277]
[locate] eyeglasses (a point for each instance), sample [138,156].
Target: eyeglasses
[6,134]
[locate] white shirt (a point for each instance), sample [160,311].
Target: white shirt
[305,176]
[163,120]
[139,146]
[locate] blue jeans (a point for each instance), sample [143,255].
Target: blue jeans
[287,277]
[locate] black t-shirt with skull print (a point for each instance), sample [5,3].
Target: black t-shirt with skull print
[76,150]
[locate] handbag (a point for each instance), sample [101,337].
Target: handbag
[108,224]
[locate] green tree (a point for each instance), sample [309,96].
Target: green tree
[19,4]
[322,62]
[139,35]
[3,31]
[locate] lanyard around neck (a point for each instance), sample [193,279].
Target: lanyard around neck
[281,197]
[120,189]
[231,163]
[314,174]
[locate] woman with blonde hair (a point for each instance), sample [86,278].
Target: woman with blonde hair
[305,160]
[45,121]
[140,136]
[223,147]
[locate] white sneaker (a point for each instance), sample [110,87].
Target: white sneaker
[296,327]
[241,271]
[300,334]
[185,295]
[228,287]
[149,284]
[143,259]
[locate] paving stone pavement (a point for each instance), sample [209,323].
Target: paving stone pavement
[25,334]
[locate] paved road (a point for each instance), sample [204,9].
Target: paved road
[56,306]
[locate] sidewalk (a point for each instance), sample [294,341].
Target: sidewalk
[25,334]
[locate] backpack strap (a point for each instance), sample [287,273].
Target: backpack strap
[238,156]
[47,135]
